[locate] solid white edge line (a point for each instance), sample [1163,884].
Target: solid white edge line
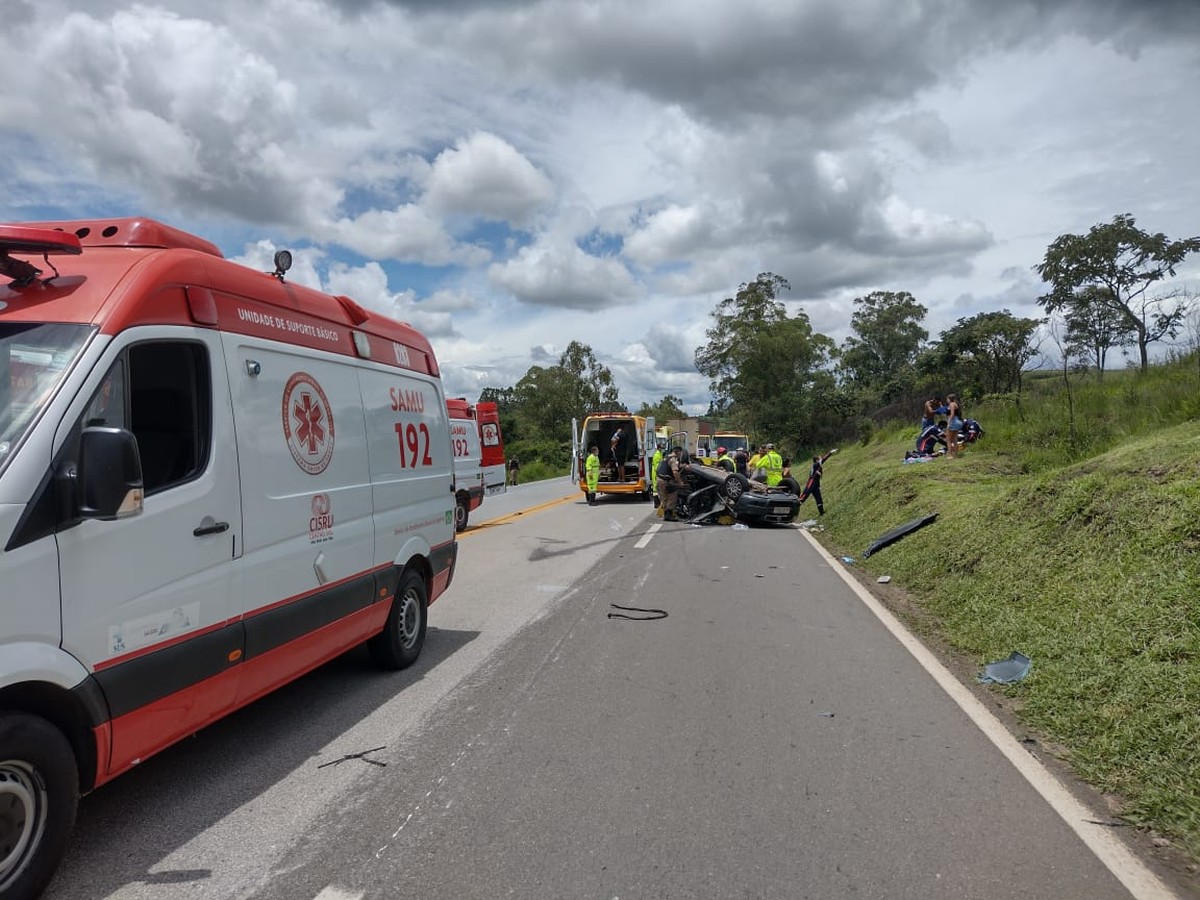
[1127,868]
[645,538]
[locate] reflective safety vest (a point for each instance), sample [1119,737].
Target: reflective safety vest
[655,460]
[773,463]
[592,466]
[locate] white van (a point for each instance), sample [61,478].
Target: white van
[469,486]
[211,481]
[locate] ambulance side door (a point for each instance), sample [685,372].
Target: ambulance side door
[146,599]
[306,581]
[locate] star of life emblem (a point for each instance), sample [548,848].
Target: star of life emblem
[308,423]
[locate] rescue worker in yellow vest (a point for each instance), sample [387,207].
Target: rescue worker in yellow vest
[591,467]
[754,462]
[724,460]
[772,464]
[655,461]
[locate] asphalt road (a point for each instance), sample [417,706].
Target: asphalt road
[767,737]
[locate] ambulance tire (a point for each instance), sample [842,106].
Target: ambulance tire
[39,782]
[462,509]
[403,636]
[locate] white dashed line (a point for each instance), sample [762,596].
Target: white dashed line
[337,893]
[645,538]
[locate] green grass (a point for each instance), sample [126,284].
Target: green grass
[1082,554]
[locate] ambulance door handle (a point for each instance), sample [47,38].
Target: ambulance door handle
[208,526]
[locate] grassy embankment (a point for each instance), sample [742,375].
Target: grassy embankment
[1082,554]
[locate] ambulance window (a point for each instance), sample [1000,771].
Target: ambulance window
[170,411]
[108,403]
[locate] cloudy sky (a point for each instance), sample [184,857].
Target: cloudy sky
[510,176]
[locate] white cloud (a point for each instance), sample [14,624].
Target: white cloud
[406,233]
[485,176]
[560,274]
[544,173]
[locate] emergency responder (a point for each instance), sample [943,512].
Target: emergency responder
[725,461]
[772,463]
[669,481]
[741,461]
[754,462]
[592,469]
[655,461]
[617,444]
[813,487]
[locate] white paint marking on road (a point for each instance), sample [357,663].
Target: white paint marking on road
[1127,868]
[337,893]
[645,538]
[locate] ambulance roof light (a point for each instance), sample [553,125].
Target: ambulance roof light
[283,262]
[24,240]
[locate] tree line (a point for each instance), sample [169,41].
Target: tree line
[771,375]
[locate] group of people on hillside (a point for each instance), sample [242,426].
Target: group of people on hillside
[945,435]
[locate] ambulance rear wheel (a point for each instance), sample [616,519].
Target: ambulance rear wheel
[400,642]
[461,510]
[39,793]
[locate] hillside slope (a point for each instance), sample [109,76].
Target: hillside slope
[1092,570]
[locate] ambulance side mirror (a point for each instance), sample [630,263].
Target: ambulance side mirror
[109,476]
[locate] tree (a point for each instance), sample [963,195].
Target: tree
[766,369]
[1092,325]
[735,320]
[669,407]
[889,337]
[988,351]
[549,397]
[594,387]
[1126,262]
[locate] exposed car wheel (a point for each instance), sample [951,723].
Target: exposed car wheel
[792,485]
[734,486]
[462,509]
[39,793]
[400,642]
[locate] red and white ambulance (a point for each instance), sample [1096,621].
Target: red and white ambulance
[211,481]
[476,444]
[491,442]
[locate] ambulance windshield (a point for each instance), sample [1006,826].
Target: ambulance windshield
[33,360]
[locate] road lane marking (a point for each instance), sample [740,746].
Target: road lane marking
[1142,883]
[337,893]
[505,519]
[645,538]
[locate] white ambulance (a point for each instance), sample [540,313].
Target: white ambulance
[469,485]
[211,481]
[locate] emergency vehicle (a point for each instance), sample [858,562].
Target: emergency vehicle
[629,472]
[732,441]
[211,482]
[491,442]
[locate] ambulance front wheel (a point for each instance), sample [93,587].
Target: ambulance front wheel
[461,510]
[400,642]
[39,793]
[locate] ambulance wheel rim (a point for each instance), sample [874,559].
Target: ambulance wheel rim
[23,809]
[410,618]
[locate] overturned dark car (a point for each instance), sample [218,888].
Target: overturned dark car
[711,492]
